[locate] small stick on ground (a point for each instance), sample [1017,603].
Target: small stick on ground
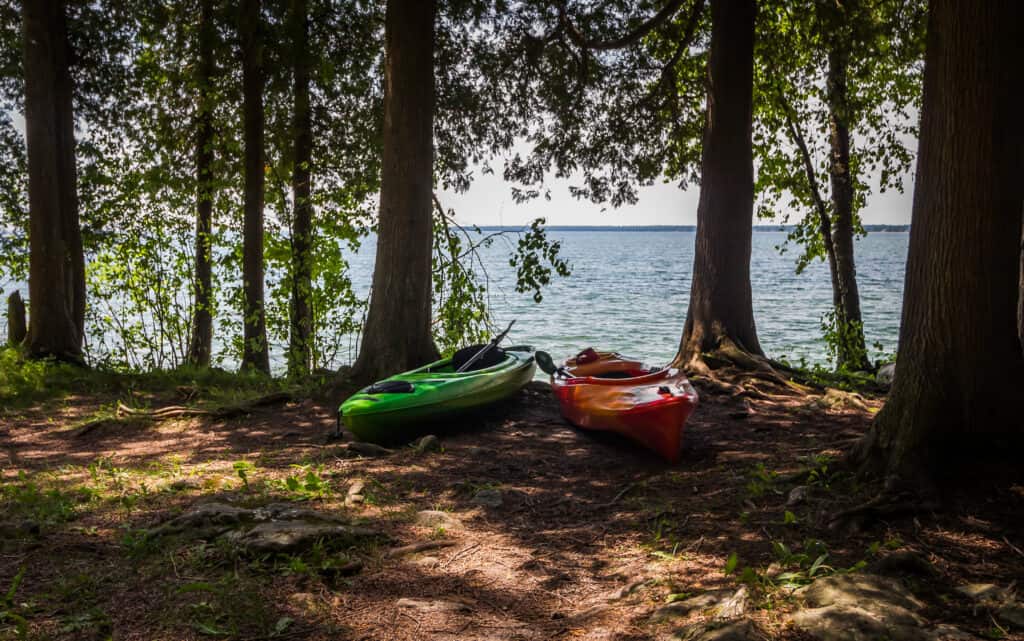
[413,548]
[1013,547]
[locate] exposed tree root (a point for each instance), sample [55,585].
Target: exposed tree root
[890,502]
[225,411]
[124,414]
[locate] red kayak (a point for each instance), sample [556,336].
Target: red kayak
[605,391]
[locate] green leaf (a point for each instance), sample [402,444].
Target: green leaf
[731,563]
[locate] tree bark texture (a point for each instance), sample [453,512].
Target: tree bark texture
[960,371]
[852,353]
[301,335]
[397,335]
[720,317]
[56,261]
[17,329]
[255,353]
[201,344]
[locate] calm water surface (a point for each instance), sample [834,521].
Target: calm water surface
[629,291]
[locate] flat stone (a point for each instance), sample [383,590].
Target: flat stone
[984,592]
[434,605]
[428,443]
[697,603]
[733,606]
[903,563]
[884,594]
[797,495]
[843,622]
[355,493]
[289,536]
[862,607]
[437,518]
[203,518]
[488,498]
[735,631]
[188,483]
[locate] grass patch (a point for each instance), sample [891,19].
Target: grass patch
[25,381]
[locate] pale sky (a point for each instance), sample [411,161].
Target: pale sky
[489,202]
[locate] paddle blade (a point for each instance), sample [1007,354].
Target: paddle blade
[545,363]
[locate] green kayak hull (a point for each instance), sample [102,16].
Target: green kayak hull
[438,393]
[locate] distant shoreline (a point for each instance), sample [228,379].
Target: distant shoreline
[757,228]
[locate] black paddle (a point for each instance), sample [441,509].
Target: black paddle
[486,348]
[547,365]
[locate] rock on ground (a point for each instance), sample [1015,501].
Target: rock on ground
[488,498]
[428,443]
[865,607]
[733,631]
[437,518]
[273,528]
[289,536]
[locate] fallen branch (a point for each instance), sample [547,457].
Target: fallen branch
[1013,547]
[413,548]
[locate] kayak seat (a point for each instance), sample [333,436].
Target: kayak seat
[493,356]
[390,387]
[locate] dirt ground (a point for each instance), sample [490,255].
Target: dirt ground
[592,535]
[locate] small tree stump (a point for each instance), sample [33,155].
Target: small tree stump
[17,328]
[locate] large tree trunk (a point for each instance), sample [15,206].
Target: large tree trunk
[254,352]
[960,371]
[1020,302]
[721,316]
[56,262]
[851,352]
[397,334]
[201,344]
[301,334]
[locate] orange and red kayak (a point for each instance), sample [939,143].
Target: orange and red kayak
[606,391]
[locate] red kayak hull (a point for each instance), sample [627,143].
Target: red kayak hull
[650,408]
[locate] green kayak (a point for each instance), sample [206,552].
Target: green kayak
[403,406]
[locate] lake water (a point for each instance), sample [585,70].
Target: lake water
[629,291]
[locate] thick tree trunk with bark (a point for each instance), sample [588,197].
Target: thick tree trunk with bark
[254,353]
[301,335]
[201,345]
[960,370]
[397,334]
[56,262]
[720,317]
[1020,302]
[851,350]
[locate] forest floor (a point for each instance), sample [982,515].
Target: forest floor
[522,528]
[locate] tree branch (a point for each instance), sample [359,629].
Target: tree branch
[625,40]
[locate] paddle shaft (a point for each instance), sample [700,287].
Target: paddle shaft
[486,348]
